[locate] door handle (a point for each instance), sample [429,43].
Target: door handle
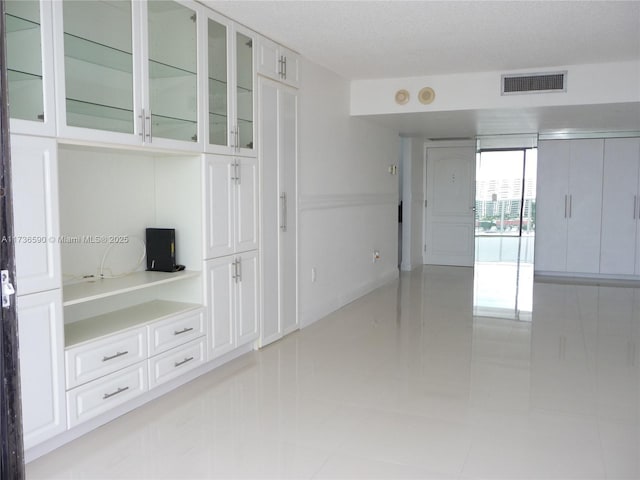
[570,205]
[238,171]
[149,133]
[283,212]
[565,206]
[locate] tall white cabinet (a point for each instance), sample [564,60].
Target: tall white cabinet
[620,252]
[569,206]
[278,153]
[140,114]
[39,294]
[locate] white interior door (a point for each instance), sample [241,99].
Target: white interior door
[449,212]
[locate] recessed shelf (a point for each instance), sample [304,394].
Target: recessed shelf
[108,323]
[100,117]
[18,24]
[97,53]
[20,76]
[164,70]
[77,293]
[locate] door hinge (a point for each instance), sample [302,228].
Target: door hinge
[7,289]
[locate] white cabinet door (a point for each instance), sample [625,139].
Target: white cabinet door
[278,154]
[219,191]
[288,248]
[278,63]
[221,297]
[41,350]
[291,67]
[217,53]
[270,330]
[552,206]
[127,72]
[35,212]
[99,71]
[171,94]
[244,75]
[269,60]
[246,211]
[585,206]
[247,298]
[231,205]
[30,67]
[619,206]
[232,300]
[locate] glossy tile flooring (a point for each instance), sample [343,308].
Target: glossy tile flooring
[403,383]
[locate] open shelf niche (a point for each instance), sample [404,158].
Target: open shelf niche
[107,199]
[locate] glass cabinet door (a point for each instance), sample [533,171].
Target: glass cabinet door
[218,86]
[98,65]
[173,86]
[25,61]
[244,91]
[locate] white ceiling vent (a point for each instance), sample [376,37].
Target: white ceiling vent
[534,83]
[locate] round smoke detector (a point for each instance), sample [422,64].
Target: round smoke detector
[426,95]
[402,97]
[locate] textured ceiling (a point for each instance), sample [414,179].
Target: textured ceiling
[377,39]
[391,38]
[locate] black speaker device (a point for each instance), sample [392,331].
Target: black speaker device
[161,250]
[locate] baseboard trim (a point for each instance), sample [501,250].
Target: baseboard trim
[311,316]
[595,279]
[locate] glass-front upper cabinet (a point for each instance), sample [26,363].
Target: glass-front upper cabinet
[219,121]
[129,74]
[172,70]
[245,98]
[30,66]
[98,83]
[230,66]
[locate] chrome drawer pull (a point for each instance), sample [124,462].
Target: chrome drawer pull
[184,330]
[109,395]
[119,354]
[177,364]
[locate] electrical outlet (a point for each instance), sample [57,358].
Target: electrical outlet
[313,274]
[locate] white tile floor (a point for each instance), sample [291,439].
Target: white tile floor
[403,383]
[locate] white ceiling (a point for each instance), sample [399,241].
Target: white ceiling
[391,38]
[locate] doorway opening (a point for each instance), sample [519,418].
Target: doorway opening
[505,214]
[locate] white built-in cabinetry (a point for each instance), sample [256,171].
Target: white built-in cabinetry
[231,205]
[126,72]
[278,154]
[41,352]
[278,62]
[569,206]
[588,207]
[620,250]
[30,66]
[39,297]
[232,299]
[140,114]
[229,86]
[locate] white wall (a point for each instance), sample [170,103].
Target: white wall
[347,198]
[412,200]
[586,84]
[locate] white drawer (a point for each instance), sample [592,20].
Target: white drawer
[175,362]
[99,396]
[100,357]
[178,330]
